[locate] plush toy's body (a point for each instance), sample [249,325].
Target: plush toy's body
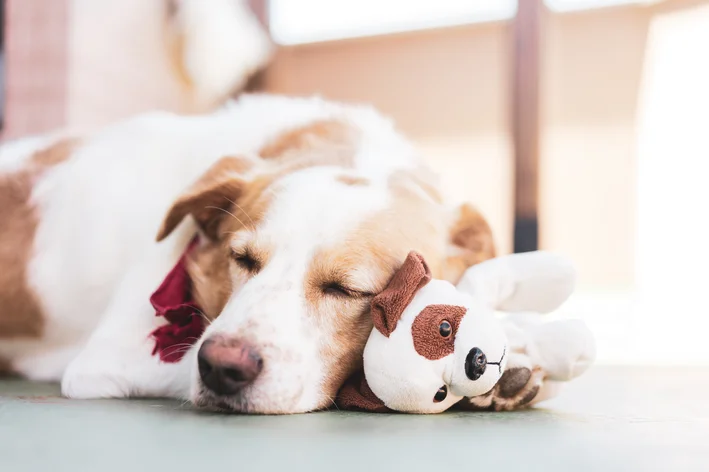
[434,345]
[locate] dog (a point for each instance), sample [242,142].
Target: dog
[288,214]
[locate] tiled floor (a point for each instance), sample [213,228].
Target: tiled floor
[612,419]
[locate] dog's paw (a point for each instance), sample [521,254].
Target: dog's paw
[516,389]
[84,381]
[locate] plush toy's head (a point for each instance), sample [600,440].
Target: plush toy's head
[433,344]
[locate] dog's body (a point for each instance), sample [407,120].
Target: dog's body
[304,209]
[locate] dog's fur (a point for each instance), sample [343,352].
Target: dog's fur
[304,209]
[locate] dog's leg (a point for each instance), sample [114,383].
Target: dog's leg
[117,360]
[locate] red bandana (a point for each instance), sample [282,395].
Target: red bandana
[173,301]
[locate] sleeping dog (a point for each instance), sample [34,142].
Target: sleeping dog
[284,217]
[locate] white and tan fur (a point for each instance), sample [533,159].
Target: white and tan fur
[317,193]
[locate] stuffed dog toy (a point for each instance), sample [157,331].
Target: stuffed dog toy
[434,345]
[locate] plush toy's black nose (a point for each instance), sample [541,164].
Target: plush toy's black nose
[475,363]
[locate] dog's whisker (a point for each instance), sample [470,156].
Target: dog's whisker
[253,225]
[334,403]
[229,213]
[203,315]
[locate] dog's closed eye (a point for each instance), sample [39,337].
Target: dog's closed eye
[336,289]
[246,261]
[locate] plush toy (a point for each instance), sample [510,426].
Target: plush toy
[542,357]
[434,345]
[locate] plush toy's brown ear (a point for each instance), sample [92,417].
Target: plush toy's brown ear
[209,199]
[355,394]
[388,306]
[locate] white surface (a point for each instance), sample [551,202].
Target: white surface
[307,21]
[576,5]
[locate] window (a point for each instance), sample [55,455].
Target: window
[574,5]
[307,21]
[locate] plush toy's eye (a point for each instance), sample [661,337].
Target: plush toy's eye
[445,329]
[441,394]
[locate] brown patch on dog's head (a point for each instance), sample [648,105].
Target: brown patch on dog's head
[388,306]
[325,142]
[20,312]
[208,265]
[348,322]
[415,220]
[469,241]
[426,332]
[367,259]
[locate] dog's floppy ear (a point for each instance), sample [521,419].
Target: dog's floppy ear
[532,281]
[355,394]
[388,306]
[470,242]
[210,197]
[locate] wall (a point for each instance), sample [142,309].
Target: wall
[118,62]
[446,89]
[449,90]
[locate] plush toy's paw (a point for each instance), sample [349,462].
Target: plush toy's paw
[516,389]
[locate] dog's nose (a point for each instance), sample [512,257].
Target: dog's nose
[475,363]
[226,365]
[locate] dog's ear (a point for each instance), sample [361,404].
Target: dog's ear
[470,242]
[388,306]
[355,394]
[208,200]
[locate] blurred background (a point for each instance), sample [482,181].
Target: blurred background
[580,126]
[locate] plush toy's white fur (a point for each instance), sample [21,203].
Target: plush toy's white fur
[562,349]
[536,282]
[406,381]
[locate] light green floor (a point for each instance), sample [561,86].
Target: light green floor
[612,419]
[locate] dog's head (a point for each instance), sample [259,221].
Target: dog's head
[291,263]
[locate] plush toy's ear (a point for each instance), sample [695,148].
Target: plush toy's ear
[356,395]
[532,281]
[388,306]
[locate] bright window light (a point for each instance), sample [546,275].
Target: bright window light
[308,21]
[575,5]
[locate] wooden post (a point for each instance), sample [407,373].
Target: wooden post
[525,123]
[257,82]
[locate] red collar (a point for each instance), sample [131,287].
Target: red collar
[173,301]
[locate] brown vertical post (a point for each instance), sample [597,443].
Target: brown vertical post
[525,122]
[257,82]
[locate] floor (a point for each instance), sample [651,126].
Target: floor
[611,419]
